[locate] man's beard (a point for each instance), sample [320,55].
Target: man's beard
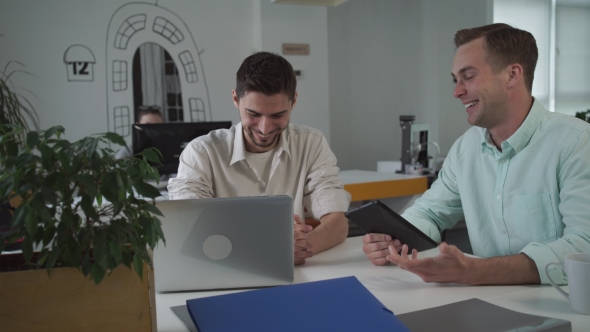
[268,143]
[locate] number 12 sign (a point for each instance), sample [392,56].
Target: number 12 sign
[79,62]
[80,71]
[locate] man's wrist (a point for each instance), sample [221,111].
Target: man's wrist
[472,269]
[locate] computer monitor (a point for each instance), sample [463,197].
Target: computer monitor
[170,139]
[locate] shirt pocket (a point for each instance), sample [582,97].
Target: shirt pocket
[533,218]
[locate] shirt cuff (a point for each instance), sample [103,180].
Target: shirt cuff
[327,201]
[427,227]
[543,255]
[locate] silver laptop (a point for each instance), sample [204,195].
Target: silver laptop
[225,243]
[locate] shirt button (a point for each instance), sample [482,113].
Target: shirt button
[499,196]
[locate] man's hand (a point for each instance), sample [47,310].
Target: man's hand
[302,245]
[450,266]
[376,247]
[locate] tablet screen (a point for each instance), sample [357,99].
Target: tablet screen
[376,217]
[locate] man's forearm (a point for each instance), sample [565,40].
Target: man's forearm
[506,270]
[331,231]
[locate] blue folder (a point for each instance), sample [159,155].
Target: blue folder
[341,304]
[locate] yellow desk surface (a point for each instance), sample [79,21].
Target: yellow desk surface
[369,185]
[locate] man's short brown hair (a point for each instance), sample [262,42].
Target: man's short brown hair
[504,45]
[267,73]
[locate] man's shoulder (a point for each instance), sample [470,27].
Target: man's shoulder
[215,138]
[301,131]
[558,121]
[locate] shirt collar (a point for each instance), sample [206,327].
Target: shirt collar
[523,134]
[239,150]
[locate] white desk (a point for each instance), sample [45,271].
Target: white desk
[399,290]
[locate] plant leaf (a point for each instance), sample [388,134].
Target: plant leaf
[87,207]
[49,195]
[138,265]
[153,209]
[85,264]
[100,249]
[99,200]
[92,148]
[88,184]
[32,139]
[56,130]
[109,188]
[97,273]
[115,250]
[152,155]
[117,207]
[42,257]
[19,216]
[53,255]
[115,138]
[27,248]
[146,190]
[48,235]
[31,224]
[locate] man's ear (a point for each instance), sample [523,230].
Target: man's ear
[235,98]
[294,100]
[515,75]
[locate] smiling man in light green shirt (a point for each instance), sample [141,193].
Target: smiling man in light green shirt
[520,177]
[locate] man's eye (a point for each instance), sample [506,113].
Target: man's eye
[277,116]
[254,115]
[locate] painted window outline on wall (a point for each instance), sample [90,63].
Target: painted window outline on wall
[121,113]
[194,104]
[166,29]
[128,28]
[190,69]
[119,75]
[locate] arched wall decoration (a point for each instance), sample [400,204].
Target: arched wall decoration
[132,25]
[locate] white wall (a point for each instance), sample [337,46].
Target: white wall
[392,58]
[387,58]
[282,23]
[37,33]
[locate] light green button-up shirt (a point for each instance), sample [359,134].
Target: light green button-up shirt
[533,197]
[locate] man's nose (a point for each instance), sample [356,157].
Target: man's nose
[264,125]
[459,90]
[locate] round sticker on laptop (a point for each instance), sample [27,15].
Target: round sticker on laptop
[217,247]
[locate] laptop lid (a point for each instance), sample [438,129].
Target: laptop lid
[225,243]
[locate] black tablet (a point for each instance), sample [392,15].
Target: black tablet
[376,217]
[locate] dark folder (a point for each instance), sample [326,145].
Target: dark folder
[477,315]
[342,304]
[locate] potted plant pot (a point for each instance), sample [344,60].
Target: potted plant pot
[86,225]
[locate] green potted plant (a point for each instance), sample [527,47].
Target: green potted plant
[15,109]
[82,211]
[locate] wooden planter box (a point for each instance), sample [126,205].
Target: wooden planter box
[67,301]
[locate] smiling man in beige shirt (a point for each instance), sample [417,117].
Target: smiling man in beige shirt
[265,155]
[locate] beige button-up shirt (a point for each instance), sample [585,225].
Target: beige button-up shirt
[303,167]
